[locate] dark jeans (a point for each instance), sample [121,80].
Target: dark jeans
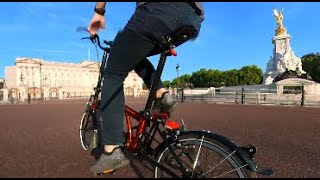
[130,50]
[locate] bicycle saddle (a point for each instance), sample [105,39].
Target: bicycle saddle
[176,38]
[182,34]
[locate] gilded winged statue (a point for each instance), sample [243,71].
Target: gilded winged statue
[281,30]
[278,16]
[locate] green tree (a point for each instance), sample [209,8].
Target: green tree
[231,77]
[250,75]
[247,75]
[181,81]
[311,64]
[166,83]
[214,78]
[184,79]
[198,78]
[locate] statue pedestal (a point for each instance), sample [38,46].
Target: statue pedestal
[283,59]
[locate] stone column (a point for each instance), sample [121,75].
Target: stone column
[26,79]
[5,94]
[19,72]
[60,93]
[31,75]
[45,92]
[37,77]
[279,89]
[22,71]
[23,92]
[135,91]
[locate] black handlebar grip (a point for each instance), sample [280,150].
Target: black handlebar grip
[109,43]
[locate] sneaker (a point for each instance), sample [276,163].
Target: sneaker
[110,161]
[166,103]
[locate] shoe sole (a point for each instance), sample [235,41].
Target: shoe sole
[110,171]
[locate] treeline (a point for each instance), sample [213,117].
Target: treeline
[247,75]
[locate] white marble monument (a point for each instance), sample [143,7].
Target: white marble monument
[283,56]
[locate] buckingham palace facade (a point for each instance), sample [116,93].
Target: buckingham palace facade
[40,79]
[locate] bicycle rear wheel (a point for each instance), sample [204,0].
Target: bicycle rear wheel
[86,130]
[203,157]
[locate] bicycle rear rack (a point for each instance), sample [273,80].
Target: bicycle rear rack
[251,150]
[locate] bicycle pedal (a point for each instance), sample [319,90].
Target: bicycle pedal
[110,171]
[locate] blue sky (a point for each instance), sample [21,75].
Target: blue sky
[234,34]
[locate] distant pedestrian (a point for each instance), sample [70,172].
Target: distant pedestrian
[29,98]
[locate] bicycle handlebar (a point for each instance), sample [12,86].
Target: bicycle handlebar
[95,38]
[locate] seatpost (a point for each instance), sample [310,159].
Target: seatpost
[155,84]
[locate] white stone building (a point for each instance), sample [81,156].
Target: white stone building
[57,80]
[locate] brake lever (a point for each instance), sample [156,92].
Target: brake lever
[92,39]
[85,38]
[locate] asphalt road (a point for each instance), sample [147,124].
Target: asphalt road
[42,140]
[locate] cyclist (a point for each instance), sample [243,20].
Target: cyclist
[131,47]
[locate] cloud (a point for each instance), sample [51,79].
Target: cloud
[294,8]
[37,10]
[79,45]
[53,51]
[30,15]
[39,50]
[52,15]
[14,28]
[27,16]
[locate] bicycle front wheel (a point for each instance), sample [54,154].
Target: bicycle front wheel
[86,130]
[203,157]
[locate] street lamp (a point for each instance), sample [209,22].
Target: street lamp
[178,69]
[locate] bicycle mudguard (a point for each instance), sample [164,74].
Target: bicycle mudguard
[244,157]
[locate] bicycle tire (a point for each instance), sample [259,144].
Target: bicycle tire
[85,129]
[192,139]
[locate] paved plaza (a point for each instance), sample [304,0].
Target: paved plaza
[42,140]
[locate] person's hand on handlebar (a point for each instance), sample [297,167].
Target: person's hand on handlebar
[96,23]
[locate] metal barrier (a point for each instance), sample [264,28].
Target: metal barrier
[297,98]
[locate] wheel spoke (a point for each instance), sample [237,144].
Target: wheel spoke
[197,157]
[231,171]
[200,157]
[219,163]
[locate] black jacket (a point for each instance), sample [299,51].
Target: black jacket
[198,6]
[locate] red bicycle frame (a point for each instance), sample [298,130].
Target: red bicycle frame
[133,139]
